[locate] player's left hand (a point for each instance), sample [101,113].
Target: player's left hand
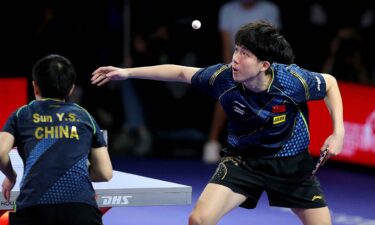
[334,144]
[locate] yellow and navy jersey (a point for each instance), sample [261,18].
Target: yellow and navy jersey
[54,140]
[271,123]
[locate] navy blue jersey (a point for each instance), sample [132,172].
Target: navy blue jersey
[54,140]
[271,123]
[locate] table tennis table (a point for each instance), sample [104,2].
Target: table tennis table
[124,189]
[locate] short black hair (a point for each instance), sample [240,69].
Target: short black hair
[265,42]
[55,75]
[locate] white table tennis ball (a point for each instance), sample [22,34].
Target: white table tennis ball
[196,24]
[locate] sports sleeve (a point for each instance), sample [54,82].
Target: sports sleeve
[224,22]
[11,124]
[205,79]
[312,84]
[99,139]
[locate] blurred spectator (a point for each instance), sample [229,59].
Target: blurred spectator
[232,15]
[147,48]
[135,137]
[345,61]
[345,32]
[142,109]
[68,27]
[329,22]
[314,23]
[235,13]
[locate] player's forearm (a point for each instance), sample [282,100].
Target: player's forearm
[334,103]
[166,72]
[6,144]
[100,165]
[101,173]
[7,168]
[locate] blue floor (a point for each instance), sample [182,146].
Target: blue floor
[350,194]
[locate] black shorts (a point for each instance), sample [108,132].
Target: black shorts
[57,214]
[285,180]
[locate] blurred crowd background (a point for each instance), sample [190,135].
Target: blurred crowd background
[327,36]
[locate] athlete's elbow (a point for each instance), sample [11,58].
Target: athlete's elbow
[101,176]
[108,176]
[181,77]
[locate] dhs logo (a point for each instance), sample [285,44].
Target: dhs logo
[116,200]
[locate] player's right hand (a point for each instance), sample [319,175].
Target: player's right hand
[7,188]
[334,144]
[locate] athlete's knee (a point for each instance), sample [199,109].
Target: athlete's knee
[315,216]
[326,221]
[198,218]
[195,219]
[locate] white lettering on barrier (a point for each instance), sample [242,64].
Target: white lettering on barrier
[116,200]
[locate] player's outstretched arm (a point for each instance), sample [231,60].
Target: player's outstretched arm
[167,72]
[333,101]
[6,144]
[100,165]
